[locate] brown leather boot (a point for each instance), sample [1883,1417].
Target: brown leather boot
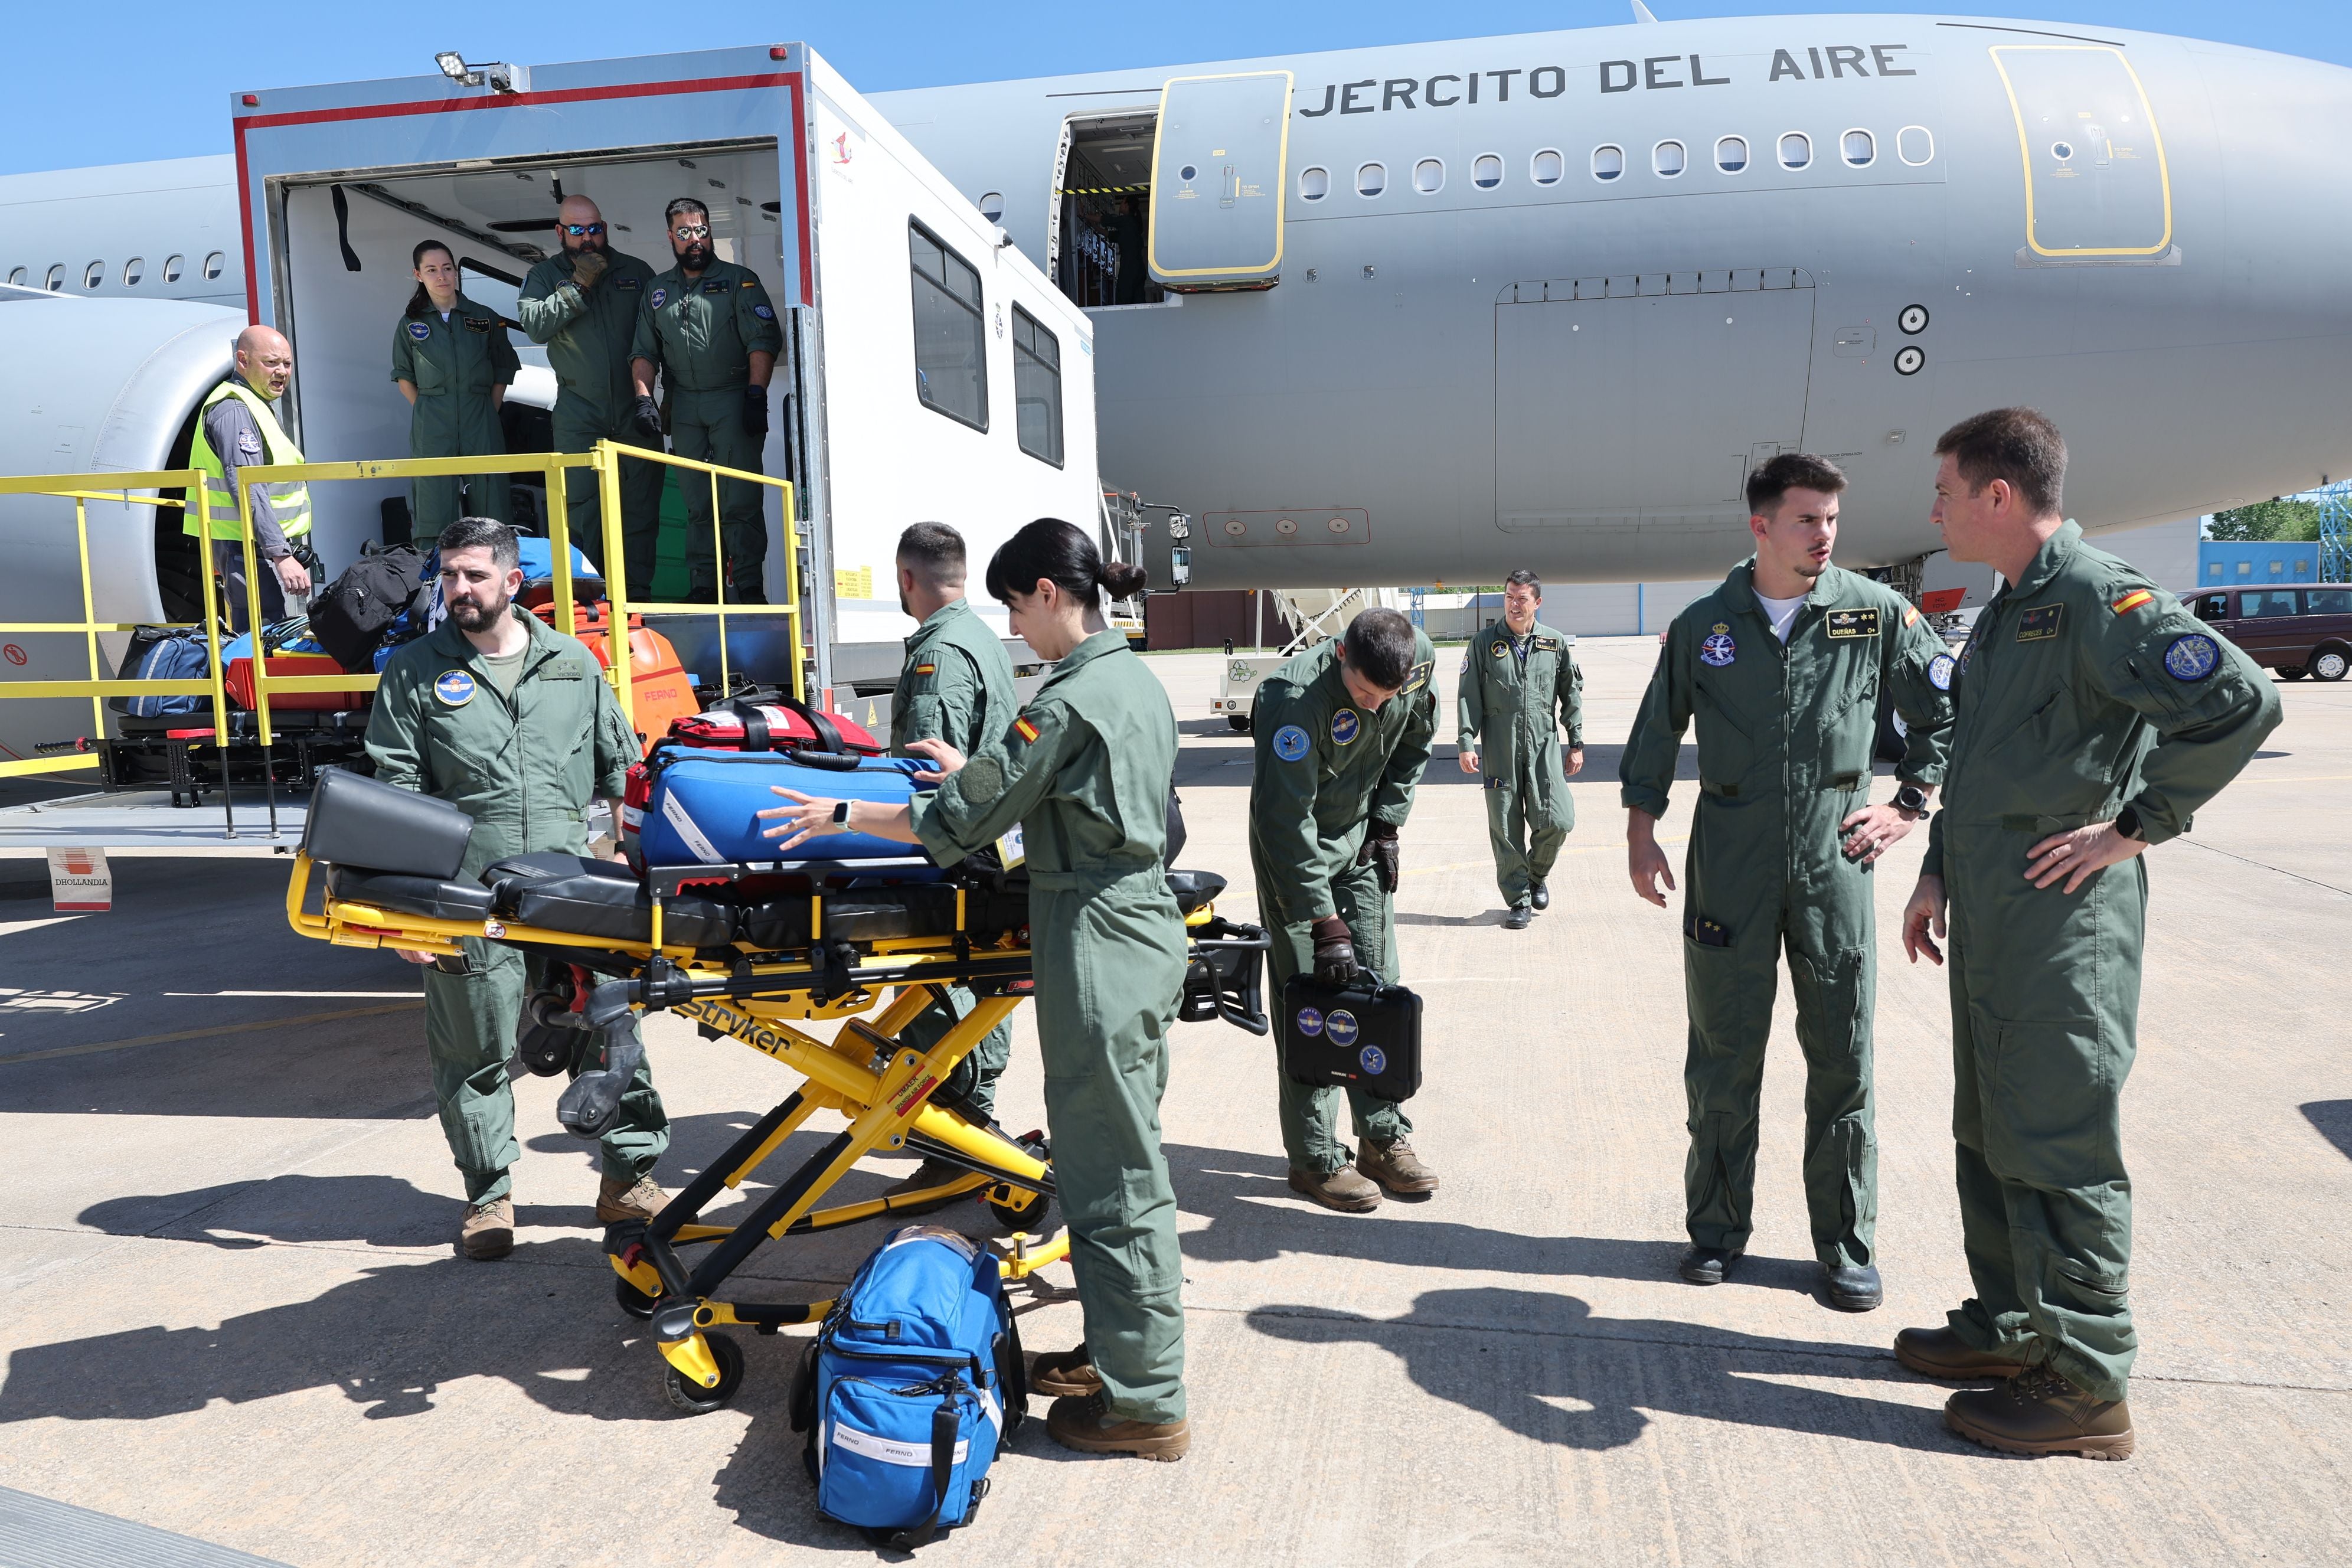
[488,1230]
[617,1200]
[1081,1421]
[1343,1190]
[1396,1167]
[2039,1412]
[1061,1373]
[932,1172]
[1939,1353]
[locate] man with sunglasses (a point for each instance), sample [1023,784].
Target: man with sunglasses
[712,330]
[582,303]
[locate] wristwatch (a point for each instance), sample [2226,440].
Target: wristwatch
[1911,799]
[2128,823]
[841,816]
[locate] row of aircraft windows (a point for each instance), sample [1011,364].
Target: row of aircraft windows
[1915,144]
[93,276]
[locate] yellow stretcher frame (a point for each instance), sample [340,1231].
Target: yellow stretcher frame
[603,461]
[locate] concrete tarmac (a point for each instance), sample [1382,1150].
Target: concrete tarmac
[234,1310]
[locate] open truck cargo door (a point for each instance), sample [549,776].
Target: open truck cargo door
[1218,168]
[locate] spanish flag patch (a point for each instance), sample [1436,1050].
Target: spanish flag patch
[1911,616]
[2133,600]
[1025,729]
[927,669]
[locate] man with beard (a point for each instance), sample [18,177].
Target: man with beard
[708,327]
[1782,667]
[487,712]
[582,303]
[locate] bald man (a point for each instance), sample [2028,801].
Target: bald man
[582,303]
[239,428]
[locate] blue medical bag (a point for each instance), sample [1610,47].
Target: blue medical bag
[703,809]
[914,1381]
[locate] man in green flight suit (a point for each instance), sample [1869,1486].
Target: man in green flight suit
[1784,666]
[711,329]
[1519,684]
[2095,714]
[956,686]
[510,720]
[582,303]
[1344,733]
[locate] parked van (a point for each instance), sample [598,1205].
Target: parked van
[2297,631]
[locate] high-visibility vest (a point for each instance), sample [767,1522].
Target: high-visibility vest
[290,501]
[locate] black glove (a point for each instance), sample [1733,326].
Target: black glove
[1335,951]
[755,411]
[647,419]
[1380,852]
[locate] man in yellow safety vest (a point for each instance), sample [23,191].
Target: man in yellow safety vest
[235,428]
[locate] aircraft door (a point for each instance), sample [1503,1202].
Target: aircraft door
[1218,166]
[2096,185]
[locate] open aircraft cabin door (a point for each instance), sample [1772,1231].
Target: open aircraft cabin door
[1218,169]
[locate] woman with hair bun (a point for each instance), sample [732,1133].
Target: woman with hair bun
[1085,773]
[451,360]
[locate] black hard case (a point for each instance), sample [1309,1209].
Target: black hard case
[1380,1052]
[357,821]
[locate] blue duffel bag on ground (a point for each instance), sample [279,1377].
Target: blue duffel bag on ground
[704,805]
[913,1385]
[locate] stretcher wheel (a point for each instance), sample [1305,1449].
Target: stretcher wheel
[633,1301]
[1023,1212]
[697,1400]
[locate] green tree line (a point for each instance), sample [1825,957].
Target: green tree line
[2282,522]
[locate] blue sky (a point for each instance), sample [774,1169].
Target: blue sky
[147,79]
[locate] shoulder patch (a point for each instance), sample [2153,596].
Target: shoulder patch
[1910,614]
[2131,601]
[762,311]
[1025,729]
[1290,742]
[2040,623]
[1844,624]
[1718,648]
[660,297]
[982,779]
[2191,658]
[750,282]
[456,689]
[929,668]
[1939,672]
[248,444]
[1419,675]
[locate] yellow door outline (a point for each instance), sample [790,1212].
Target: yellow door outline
[2025,146]
[1281,178]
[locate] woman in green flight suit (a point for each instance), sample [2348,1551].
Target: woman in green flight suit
[454,364]
[1085,771]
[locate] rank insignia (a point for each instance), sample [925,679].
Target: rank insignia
[2039,623]
[1418,677]
[1843,624]
[1719,649]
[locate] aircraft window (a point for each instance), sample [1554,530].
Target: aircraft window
[1796,150]
[992,206]
[16,279]
[132,271]
[1314,184]
[1860,149]
[1036,388]
[1732,155]
[1608,163]
[950,338]
[213,264]
[1668,158]
[1429,176]
[172,265]
[1916,144]
[93,275]
[1487,171]
[1371,180]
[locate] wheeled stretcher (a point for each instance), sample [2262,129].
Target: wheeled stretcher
[754,953]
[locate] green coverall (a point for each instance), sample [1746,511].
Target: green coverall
[588,334]
[1086,771]
[1511,708]
[1784,757]
[2083,688]
[524,769]
[700,331]
[1325,771]
[455,364]
[957,687]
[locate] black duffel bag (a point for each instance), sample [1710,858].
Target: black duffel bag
[351,618]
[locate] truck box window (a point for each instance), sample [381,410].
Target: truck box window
[1036,388]
[950,337]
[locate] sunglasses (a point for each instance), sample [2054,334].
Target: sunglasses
[578,230]
[692,231]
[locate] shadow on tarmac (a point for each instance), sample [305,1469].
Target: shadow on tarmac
[2333,1119]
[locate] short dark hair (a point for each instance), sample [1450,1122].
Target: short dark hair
[1378,646]
[1523,578]
[1055,551]
[1791,472]
[682,204]
[936,552]
[2019,445]
[483,533]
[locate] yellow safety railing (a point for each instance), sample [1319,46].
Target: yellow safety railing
[82,489]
